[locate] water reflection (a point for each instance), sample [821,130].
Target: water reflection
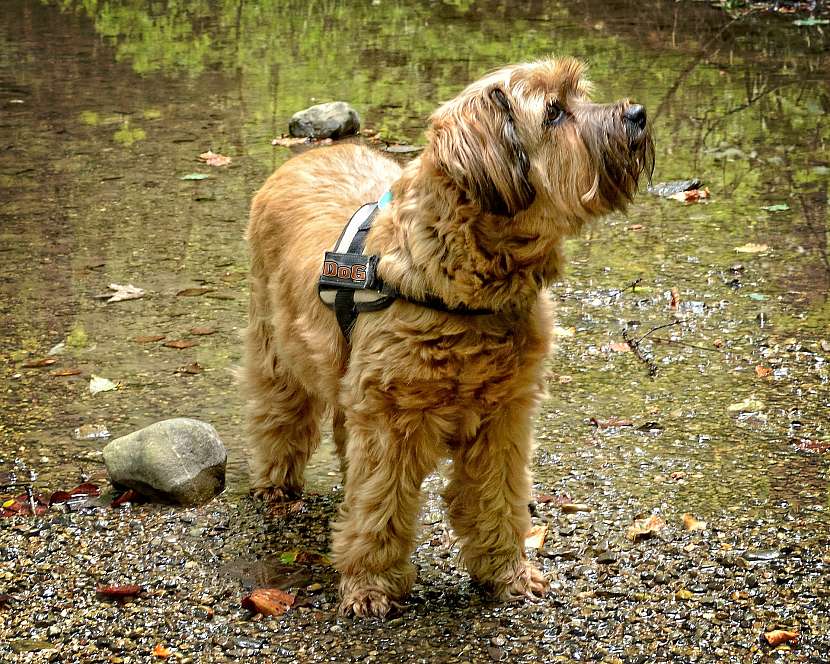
[107,104]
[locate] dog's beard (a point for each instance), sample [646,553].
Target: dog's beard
[620,155]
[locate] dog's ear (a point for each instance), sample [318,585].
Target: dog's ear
[475,142]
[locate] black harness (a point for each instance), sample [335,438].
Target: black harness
[349,283]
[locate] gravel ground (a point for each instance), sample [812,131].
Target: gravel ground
[680,596]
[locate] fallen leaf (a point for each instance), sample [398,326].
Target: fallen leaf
[98,384]
[645,528]
[180,343]
[675,298]
[748,405]
[718,343]
[683,594]
[535,538]
[148,338]
[402,149]
[811,21]
[65,372]
[161,652]
[544,498]
[195,176]
[119,592]
[202,331]
[288,142]
[563,331]
[43,362]
[123,292]
[762,372]
[611,423]
[313,558]
[86,489]
[811,446]
[619,347]
[194,292]
[751,248]
[288,557]
[211,158]
[691,523]
[779,636]
[129,496]
[780,207]
[91,432]
[268,601]
[691,195]
[192,369]
[635,227]
[573,508]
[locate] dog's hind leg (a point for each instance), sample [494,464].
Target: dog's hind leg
[487,498]
[282,419]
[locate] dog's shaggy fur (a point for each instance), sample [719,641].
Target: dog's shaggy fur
[516,163]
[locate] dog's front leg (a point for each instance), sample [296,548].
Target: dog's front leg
[487,499]
[375,533]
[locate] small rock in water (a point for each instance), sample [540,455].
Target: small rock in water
[761,555]
[668,189]
[331,120]
[180,461]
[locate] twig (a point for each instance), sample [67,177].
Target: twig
[663,340]
[630,287]
[659,327]
[633,344]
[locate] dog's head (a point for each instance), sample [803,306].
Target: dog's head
[529,135]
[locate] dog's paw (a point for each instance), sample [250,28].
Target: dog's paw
[367,603]
[274,494]
[527,582]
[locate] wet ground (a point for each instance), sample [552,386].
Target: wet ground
[105,107]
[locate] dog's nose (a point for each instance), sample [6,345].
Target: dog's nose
[636,115]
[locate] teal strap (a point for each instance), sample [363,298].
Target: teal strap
[385,200]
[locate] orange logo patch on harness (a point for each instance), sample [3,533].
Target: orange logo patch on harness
[352,272]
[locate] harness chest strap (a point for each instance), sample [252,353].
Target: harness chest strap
[349,283]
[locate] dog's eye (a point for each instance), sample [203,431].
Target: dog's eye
[554,114]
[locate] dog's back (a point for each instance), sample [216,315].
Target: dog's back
[296,217]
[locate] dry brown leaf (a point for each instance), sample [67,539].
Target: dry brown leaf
[288,141]
[619,347]
[691,523]
[635,227]
[691,195]
[180,343]
[65,372]
[268,601]
[645,528]
[779,636]
[194,292]
[118,592]
[148,338]
[675,298]
[201,331]
[573,508]
[762,372]
[535,538]
[211,158]
[192,368]
[161,652]
[37,364]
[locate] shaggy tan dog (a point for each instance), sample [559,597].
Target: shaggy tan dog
[516,163]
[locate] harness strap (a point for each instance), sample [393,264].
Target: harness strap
[349,283]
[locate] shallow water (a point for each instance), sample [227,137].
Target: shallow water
[105,106]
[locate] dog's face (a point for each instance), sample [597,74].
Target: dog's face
[529,136]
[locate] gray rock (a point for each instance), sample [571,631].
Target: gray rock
[330,120]
[180,461]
